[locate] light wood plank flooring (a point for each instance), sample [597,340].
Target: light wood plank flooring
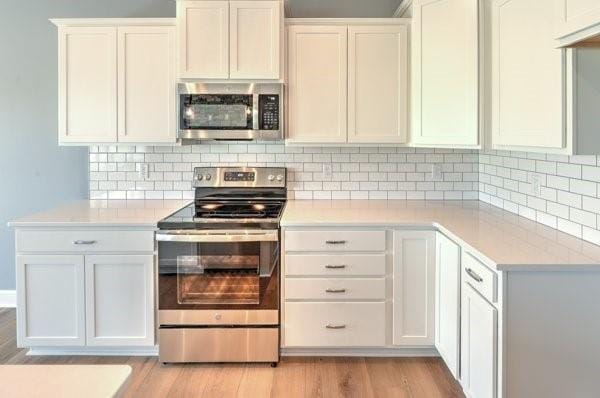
[294,377]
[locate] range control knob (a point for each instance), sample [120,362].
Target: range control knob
[271,177]
[279,177]
[207,177]
[199,177]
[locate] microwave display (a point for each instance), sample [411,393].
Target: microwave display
[216,112]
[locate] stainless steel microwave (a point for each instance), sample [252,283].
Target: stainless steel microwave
[230,111]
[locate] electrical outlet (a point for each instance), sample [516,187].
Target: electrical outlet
[143,171]
[327,171]
[436,172]
[536,184]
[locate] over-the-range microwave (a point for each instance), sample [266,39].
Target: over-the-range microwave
[230,111]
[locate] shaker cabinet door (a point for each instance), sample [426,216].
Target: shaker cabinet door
[146,84]
[50,301]
[87,81]
[119,300]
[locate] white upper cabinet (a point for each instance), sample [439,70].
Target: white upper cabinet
[146,80]
[255,32]
[203,28]
[528,77]
[317,83]
[229,39]
[576,20]
[378,84]
[445,72]
[87,76]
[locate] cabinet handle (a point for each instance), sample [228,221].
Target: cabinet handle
[335,290]
[335,242]
[473,275]
[330,326]
[84,242]
[330,266]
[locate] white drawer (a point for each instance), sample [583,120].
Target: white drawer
[335,241]
[334,324]
[84,241]
[334,289]
[335,265]
[483,279]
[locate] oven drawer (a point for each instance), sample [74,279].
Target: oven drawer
[334,289]
[334,324]
[84,241]
[218,344]
[335,241]
[335,265]
[483,279]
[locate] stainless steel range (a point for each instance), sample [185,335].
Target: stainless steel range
[218,263]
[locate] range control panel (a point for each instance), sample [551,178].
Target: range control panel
[268,105]
[239,176]
[230,177]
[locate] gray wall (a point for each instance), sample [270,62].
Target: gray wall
[35,173]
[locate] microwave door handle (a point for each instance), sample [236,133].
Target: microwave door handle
[255,112]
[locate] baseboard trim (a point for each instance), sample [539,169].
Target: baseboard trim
[96,351]
[8,298]
[361,352]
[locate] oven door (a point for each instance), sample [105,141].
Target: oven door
[218,269]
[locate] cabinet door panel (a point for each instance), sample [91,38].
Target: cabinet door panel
[447,302]
[527,77]
[414,284]
[479,345]
[119,300]
[50,301]
[378,84]
[146,81]
[203,39]
[87,96]
[445,56]
[317,84]
[255,28]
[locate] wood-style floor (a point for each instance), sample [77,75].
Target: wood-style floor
[294,377]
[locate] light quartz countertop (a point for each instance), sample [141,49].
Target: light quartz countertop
[104,213]
[503,240]
[67,381]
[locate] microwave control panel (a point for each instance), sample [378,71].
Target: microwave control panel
[269,111]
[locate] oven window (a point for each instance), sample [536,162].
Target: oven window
[216,272]
[216,112]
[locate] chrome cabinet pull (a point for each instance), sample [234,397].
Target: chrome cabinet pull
[335,290]
[335,242]
[330,326]
[331,266]
[84,242]
[473,275]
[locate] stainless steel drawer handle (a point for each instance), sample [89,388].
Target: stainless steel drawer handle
[335,290]
[330,326]
[473,275]
[331,266]
[84,242]
[335,242]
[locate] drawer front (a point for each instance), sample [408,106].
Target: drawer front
[84,241]
[334,289]
[335,265]
[335,241]
[334,324]
[483,279]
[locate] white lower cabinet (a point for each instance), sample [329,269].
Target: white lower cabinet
[50,300]
[414,284]
[119,298]
[447,302]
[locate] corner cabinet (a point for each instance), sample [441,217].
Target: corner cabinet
[230,39]
[348,82]
[413,288]
[576,21]
[116,81]
[446,73]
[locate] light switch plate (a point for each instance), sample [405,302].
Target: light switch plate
[327,171]
[436,172]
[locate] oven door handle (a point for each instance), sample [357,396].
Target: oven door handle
[244,235]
